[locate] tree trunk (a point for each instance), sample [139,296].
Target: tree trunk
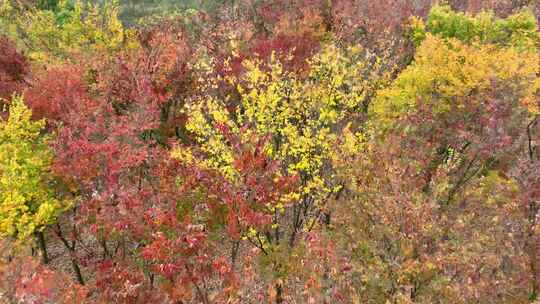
[42,246]
[77,271]
[279,293]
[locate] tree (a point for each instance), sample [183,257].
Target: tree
[432,182]
[28,204]
[301,117]
[70,31]
[14,68]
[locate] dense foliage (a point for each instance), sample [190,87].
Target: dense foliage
[269,151]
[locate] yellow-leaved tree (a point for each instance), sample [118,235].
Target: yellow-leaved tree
[27,201]
[68,29]
[446,72]
[302,117]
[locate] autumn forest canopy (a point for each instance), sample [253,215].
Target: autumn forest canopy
[269,151]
